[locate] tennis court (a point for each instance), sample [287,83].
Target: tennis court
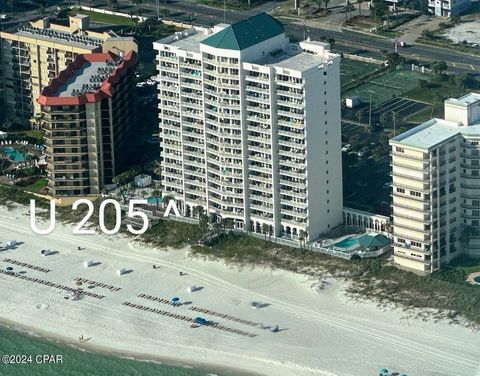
[387,86]
[350,70]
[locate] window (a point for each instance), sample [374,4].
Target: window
[475,213]
[416,244]
[400,150]
[400,190]
[416,194]
[475,173]
[324,73]
[475,162]
[475,222]
[475,202]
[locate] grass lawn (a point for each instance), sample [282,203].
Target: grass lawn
[173,234]
[37,186]
[105,18]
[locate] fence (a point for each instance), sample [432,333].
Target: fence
[417,68]
[365,59]
[140,18]
[111,12]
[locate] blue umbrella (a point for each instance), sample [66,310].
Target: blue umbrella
[383,371]
[175,299]
[200,320]
[8,268]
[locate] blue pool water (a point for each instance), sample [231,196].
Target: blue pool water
[154,200]
[347,243]
[477,279]
[14,155]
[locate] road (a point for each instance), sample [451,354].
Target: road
[345,41]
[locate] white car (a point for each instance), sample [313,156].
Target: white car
[3,16]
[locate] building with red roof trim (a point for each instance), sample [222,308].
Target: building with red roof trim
[87,121]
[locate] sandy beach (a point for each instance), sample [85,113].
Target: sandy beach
[321,332]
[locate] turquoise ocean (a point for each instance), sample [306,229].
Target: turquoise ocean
[77,362]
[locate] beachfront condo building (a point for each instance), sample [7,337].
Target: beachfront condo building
[448,8]
[88,123]
[36,52]
[250,127]
[436,188]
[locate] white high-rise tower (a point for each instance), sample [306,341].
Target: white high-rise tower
[250,127]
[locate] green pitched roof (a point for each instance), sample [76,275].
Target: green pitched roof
[246,33]
[373,240]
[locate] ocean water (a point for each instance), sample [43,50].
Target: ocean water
[77,362]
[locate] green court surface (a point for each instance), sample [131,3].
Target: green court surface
[350,70]
[389,85]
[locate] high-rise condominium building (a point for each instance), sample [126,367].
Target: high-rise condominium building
[35,53]
[87,120]
[436,188]
[250,127]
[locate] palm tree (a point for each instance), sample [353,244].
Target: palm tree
[465,237]
[265,229]
[438,98]
[229,224]
[326,4]
[10,4]
[302,235]
[136,3]
[156,193]
[114,4]
[199,210]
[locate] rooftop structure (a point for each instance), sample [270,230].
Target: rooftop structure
[436,188]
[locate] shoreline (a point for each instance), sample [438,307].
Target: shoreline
[67,342]
[112,352]
[322,331]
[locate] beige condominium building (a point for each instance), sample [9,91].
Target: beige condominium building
[436,188]
[88,123]
[250,127]
[36,52]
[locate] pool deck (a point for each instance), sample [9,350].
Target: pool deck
[471,278]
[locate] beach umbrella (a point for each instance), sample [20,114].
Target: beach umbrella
[383,371]
[8,268]
[200,320]
[175,299]
[78,283]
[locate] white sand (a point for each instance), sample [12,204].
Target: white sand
[324,334]
[469,31]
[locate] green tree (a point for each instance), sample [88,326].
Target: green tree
[326,2]
[427,34]
[136,3]
[10,4]
[114,4]
[394,59]
[331,41]
[455,19]
[302,236]
[439,67]
[229,224]
[460,80]
[359,2]
[378,10]
[348,10]
[265,229]
[360,113]
[383,119]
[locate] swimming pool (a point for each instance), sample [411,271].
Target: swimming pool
[13,154]
[477,279]
[347,242]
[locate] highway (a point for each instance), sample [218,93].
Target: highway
[345,41]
